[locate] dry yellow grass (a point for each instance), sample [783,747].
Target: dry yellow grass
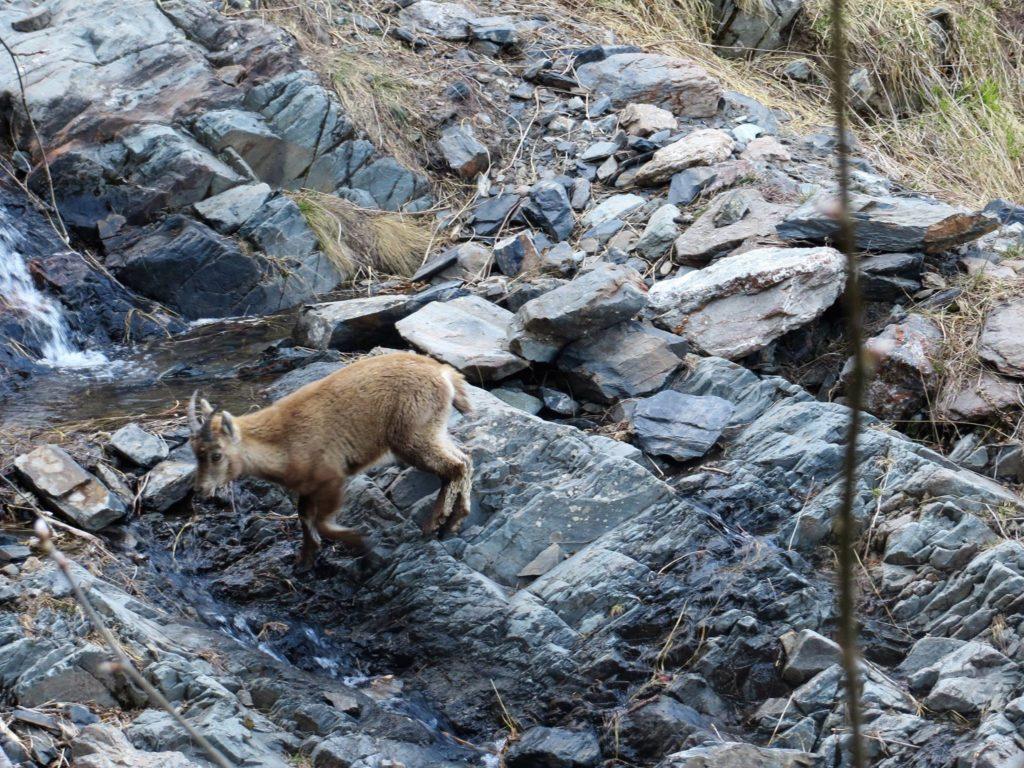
[950,118]
[360,241]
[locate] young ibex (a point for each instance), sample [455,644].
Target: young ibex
[314,439]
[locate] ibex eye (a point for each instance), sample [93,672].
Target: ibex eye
[216,457]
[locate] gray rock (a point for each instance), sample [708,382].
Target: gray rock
[613,207]
[391,184]
[705,146]
[104,746]
[541,747]
[514,252]
[548,207]
[518,399]
[580,193]
[468,333]
[605,296]
[465,261]
[300,377]
[230,209]
[801,70]
[463,153]
[627,360]
[138,446]
[500,30]
[492,214]
[168,483]
[677,85]
[659,726]
[647,119]
[973,678]
[779,289]
[542,563]
[360,324]
[746,30]
[980,397]
[739,755]
[13,553]
[559,402]
[66,674]
[599,151]
[333,171]
[891,276]
[735,221]
[904,374]
[889,224]
[69,489]
[271,158]
[687,185]
[659,233]
[681,427]
[448,21]
[1002,339]
[807,654]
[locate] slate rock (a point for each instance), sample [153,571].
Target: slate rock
[500,30]
[548,207]
[465,261]
[607,295]
[681,427]
[468,333]
[104,746]
[742,303]
[646,119]
[891,276]
[739,755]
[493,213]
[659,726]
[514,252]
[273,159]
[168,483]
[807,654]
[736,220]
[138,446]
[230,209]
[982,396]
[630,359]
[518,399]
[889,224]
[1005,211]
[391,184]
[541,747]
[613,207]
[705,146]
[677,85]
[687,185]
[68,488]
[13,553]
[447,21]
[903,360]
[1001,343]
[660,232]
[463,153]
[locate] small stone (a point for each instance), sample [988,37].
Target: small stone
[613,207]
[133,443]
[229,210]
[513,252]
[13,553]
[500,30]
[705,146]
[168,483]
[1002,339]
[519,399]
[647,119]
[807,654]
[679,426]
[549,208]
[599,151]
[463,153]
[75,493]
[801,70]
[555,401]
[580,193]
[745,133]
[687,185]
[765,149]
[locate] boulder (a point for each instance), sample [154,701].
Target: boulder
[607,295]
[901,357]
[548,208]
[104,746]
[705,146]
[230,209]
[681,427]
[168,483]
[541,747]
[613,207]
[646,119]
[659,726]
[1001,343]
[659,233]
[67,488]
[630,359]
[735,221]
[742,303]
[677,85]
[463,153]
[743,30]
[364,323]
[807,654]
[889,224]
[448,21]
[468,333]
[136,445]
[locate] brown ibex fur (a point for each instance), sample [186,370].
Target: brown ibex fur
[314,439]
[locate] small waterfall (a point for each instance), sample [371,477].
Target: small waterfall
[18,292]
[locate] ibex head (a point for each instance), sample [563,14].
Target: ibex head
[216,444]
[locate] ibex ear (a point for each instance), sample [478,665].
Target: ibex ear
[207,409]
[227,426]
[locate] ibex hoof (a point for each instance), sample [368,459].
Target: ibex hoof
[304,562]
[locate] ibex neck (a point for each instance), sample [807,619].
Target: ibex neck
[260,450]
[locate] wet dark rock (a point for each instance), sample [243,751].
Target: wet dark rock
[138,446]
[626,360]
[891,276]
[605,296]
[542,747]
[677,85]
[890,224]
[660,727]
[491,215]
[463,153]
[679,426]
[1005,211]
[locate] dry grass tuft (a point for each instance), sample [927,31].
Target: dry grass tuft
[949,117]
[360,241]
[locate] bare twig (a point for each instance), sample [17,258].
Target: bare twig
[845,241]
[125,664]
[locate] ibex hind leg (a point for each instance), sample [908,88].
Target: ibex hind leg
[438,457]
[310,537]
[328,504]
[463,497]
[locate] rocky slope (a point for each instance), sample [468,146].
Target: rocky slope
[634,270]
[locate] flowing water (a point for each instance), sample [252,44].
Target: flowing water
[18,291]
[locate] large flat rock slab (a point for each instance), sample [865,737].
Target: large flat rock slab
[742,303]
[675,84]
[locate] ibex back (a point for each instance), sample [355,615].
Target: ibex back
[314,439]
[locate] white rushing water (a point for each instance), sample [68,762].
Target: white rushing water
[19,292]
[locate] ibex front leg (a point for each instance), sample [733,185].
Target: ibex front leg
[328,504]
